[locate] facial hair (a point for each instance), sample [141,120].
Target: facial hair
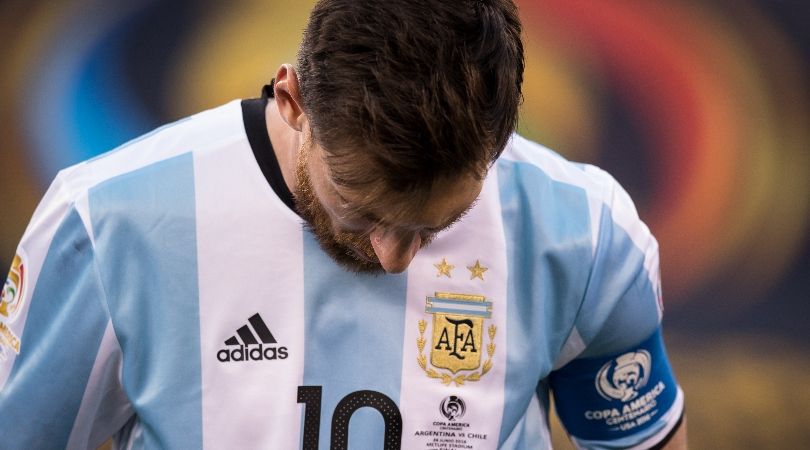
[338,245]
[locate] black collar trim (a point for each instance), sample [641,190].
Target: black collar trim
[256,129]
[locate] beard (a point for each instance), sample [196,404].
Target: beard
[340,246]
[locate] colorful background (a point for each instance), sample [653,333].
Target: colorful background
[700,108]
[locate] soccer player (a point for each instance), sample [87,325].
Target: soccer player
[365,257]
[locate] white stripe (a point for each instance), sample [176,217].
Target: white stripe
[420,395]
[104,408]
[542,423]
[245,267]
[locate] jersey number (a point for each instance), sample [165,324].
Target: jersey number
[310,396]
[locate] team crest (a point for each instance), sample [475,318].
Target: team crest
[458,352]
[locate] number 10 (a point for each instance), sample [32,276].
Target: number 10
[310,396]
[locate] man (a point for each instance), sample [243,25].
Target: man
[365,257]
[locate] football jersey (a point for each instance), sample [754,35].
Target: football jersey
[167,293]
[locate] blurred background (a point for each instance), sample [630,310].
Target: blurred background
[701,109]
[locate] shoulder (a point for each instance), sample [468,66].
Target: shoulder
[539,184]
[132,168]
[556,184]
[195,133]
[534,160]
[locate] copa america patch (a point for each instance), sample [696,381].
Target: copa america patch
[12,299]
[622,378]
[615,396]
[452,407]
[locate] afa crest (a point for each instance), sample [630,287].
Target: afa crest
[457,346]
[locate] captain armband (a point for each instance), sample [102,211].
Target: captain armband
[613,397]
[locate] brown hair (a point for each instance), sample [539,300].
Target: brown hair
[410,90]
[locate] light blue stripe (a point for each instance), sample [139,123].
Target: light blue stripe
[621,310]
[464,312]
[145,229]
[354,328]
[63,330]
[459,302]
[527,433]
[547,231]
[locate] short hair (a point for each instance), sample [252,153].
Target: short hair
[411,90]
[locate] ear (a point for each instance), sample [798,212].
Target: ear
[288,98]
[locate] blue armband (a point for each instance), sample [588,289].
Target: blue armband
[612,397]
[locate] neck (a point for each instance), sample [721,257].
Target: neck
[286,143]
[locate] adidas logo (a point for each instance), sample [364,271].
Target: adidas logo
[246,347]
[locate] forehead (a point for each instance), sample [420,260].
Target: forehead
[432,207]
[428,207]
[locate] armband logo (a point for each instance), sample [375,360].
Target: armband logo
[623,377]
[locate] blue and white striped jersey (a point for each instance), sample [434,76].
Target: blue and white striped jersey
[163,293]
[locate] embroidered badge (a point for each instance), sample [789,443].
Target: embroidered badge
[11,299]
[457,342]
[11,302]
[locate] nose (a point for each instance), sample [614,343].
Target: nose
[394,250]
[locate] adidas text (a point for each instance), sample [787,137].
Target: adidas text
[253,353]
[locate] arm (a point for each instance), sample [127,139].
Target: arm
[59,374]
[619,391]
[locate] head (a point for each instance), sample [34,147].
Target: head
[404,106]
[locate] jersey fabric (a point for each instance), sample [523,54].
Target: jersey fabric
[166,293]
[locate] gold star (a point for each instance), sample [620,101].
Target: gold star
[444,268]
[477,271]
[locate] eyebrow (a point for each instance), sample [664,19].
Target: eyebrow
[374,219]
[448,223]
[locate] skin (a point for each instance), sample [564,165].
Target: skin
[362,245]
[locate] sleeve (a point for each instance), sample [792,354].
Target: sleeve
[618,390]
[59,359]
